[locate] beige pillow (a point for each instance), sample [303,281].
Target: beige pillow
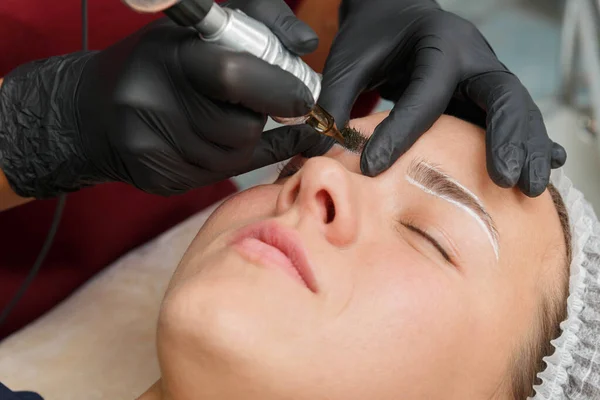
[99,343]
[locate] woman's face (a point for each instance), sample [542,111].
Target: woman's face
[331,285]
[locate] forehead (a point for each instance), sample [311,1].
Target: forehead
[450,143]
[458,148]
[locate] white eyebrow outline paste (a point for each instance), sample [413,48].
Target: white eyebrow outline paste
[468,210]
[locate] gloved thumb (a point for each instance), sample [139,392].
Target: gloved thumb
[277,15]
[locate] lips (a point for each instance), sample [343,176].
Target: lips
[272,245]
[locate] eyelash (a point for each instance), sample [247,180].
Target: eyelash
[411,226]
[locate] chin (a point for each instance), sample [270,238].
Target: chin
[231,308]
[226,330]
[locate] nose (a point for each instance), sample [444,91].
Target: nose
[322,194]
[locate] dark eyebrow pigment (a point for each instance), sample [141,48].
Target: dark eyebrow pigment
[354,140]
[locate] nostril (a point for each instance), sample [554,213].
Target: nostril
[326,202]
[330,210]
[294,193]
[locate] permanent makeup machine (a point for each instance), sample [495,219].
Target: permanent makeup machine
[238,32]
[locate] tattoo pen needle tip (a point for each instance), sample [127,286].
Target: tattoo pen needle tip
[337,135]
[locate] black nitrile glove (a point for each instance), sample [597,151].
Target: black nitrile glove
[429,61]
[160,110]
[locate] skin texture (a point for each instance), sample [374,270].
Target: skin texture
[391,317]
[8,198]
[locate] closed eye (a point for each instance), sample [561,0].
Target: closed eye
[429,238]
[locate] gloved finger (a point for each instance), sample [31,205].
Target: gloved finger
[297,36]
[161,163]
[177,143]
[345,76]
[222,125]
[535,175]
[559,155]
[242,79]
[321,146]
[432,83]
[184,177]
[536,169]
[188,176]
[507,104]
[218,157]
[282,143]
[467,111]
[165,173]
[159,23]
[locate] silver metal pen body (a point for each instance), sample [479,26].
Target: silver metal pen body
[236,31]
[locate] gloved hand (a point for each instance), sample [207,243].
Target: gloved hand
[160,110]
[429,61]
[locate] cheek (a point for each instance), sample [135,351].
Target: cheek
[406,316]
[237,211]
[410,294]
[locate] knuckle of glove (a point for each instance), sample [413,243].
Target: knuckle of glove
[156,186]
[456,33]
[229,75]
[453,25]
[239,130]
[465,28]
[509,98]
[137,145]
[125,145]
[252,132]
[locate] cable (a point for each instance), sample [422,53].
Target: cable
[39,261]
[84,25]
[58,211]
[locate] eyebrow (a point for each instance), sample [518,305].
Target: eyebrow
[354,139]
[434,181]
